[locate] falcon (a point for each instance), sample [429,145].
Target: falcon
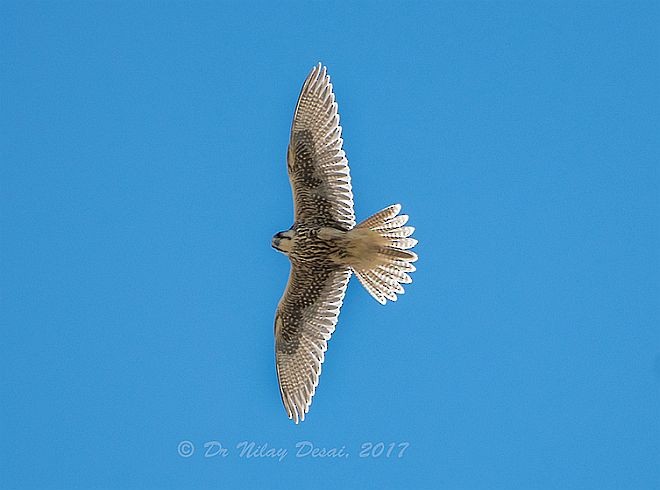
[325,246]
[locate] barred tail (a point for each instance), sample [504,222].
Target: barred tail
[379,249]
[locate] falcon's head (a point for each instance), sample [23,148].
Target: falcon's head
[283,241]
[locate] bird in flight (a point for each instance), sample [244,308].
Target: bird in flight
[325,246]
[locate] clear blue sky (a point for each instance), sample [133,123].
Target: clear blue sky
[142,176]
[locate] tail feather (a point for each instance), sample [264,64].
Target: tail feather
[403,243]
[400,276]
[391,253]
[382,259]
[392,224]
[404,266]
[381,216]
[390,280]
[403,232]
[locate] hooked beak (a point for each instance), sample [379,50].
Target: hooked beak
[276,243]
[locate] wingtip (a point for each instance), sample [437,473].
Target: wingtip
[317,68]
[320,70]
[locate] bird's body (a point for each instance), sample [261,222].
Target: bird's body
[325,246]
[313,243]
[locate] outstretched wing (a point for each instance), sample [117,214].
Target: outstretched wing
[305,319]
[318,169]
